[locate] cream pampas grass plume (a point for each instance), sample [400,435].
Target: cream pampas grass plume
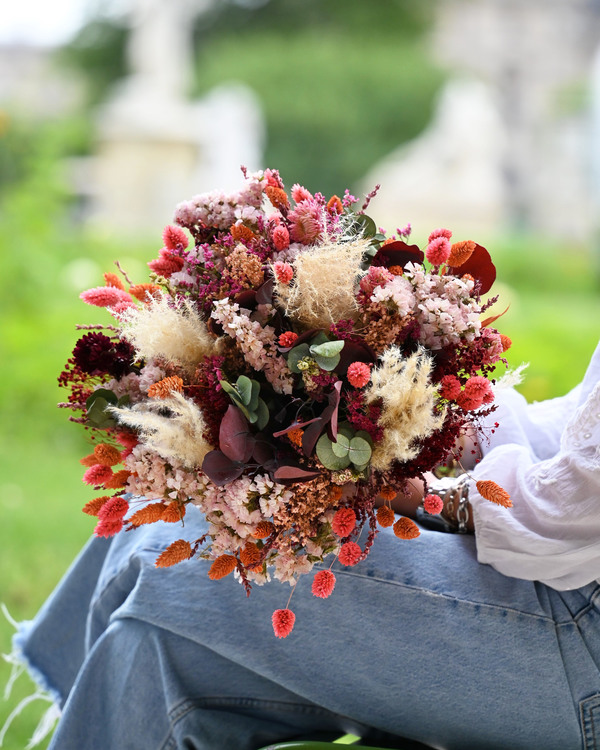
[169,329]
[408,399]
[177,437]
[322,290]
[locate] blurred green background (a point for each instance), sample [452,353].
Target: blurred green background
[384,84]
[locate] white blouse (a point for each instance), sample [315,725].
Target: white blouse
[547,456]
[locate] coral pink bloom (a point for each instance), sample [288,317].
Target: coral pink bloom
[433,504]
[376,276]
[281,237]
[350,553]
[97,475]
[283,622]
[283,271]
[438,251]
[449,387]
[287,339]
[306,222]
[174,238]
[167,263]
[359,374]
[105,296]
[300,193]
[479,387]
[114,508]
[109,527]
[344,521]
[468,402]
[439,233]
[323,584]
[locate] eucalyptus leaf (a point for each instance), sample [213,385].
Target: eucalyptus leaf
[295,355]
[327,349]
[346,429]
[104,393]
[365,435]
[320,338]
[327,363]
[327,457]
[368,228]
[254,397]
[244,388]
[228,388]
[341,446]
[262,414]
[359,451]
[97,416]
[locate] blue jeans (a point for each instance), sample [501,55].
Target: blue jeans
[419,641]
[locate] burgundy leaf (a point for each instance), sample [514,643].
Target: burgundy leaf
[312,434]
[220,469]
[398,253]
[480,267]
[334,402]
[294,426]
[291,474]
[354,351]
[263,452]
[264,293]
[246,299]
[235,439]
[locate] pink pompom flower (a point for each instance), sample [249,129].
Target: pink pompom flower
[468,402]
[441,232]
[174,238]
[105,296]
[283,622]
[281,237]
[350,553]
[438,251]
[287,339]
[359,374]
[344,521]
[283,272]
[479,387]
[323,584]
[433,504]
[450,387]
[97,474]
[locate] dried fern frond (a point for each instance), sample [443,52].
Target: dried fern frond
[408,400]
[173,427]
[323,289]
[166,328]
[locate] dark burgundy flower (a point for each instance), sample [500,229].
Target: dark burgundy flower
[97,354]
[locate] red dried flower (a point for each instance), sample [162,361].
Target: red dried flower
[174,238]
[283,622]
[433,504]
[287,339]
[350,553]
[281,237]
[97,474]
[167,264]
[344,521]
[323,584]
[114,508]
[359,374]
[468,402]
[449,387]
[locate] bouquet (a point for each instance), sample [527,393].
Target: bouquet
[287,369]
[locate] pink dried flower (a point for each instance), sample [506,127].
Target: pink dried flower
[306,222]
[283,271]
[376,276]
[167,263]
[350,553]
[109,527]
[343,522]
[273,179]
[433,504]
[439,233]
[450,387]
[287,339]
[359,374]
[438,251]
[283,622]
[300,193]
[97,475]
[114,508]
[323,584]
[479,387]
[174,238]
[281,237]
[105,296]
[120,307]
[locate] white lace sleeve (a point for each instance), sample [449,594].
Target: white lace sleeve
[552,533]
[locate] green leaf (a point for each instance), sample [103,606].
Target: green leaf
[124,400]
[341,447]
[319,338]
[262,414]
[327,457]
[104,393]
[359,451]
[228,388]
[244,388]
[327,363]
[367,226]
[345,428]
[327,349]
[365,435]
[295,355]
[254,397]
[97,415]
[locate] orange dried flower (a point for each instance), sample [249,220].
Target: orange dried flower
[143,291]
[241,233]
[335,493]
[506,342]
[173,512]
[93,506]
[221,567]
[405,528]
[335,204]
[278,197]
[250,555]
[460,252]
[396,270]
[118,480]
[111,279]
[107,455]
[88,460]
[295,436]
[385,516]
[165,387]
[387,493]
[176,552]
[150,514]
[467,277]
[494,493]
[263,530]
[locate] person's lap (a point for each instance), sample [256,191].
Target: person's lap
[419,641]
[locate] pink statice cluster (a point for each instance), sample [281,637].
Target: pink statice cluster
[285,371]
